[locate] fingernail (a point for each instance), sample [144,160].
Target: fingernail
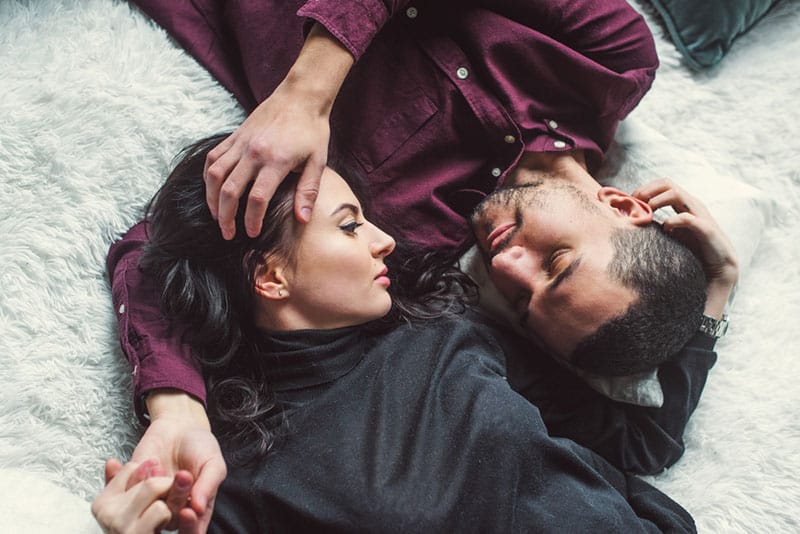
[182,484]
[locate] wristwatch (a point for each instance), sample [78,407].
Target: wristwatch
[713,327]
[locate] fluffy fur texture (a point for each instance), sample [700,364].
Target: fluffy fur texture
[95,101]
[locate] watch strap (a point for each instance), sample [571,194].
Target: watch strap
[715,328]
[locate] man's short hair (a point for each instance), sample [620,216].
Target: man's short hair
[671,285]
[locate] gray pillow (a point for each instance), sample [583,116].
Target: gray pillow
[703,30]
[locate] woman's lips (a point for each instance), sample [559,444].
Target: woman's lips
[382,279]
[495,237]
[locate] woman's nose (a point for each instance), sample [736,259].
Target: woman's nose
[383,244]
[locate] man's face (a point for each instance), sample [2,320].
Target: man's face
[548,246]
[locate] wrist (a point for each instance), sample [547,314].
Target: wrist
[719,293]
[177,405]
[320,69]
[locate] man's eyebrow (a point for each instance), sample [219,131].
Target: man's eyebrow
[563,275]
[346,206]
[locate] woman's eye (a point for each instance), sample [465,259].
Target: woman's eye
[351,227]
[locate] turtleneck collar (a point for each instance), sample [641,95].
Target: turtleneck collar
[305,358]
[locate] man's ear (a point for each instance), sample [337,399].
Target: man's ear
[635,210]
[271,283]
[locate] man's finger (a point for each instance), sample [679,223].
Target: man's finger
[216,153]
[188,522]
[651,189]
[179,492]
[205,487]
[231,192]
[216,175]
[307,190]
[261,193]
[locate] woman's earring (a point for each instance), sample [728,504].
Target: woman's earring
[280,292]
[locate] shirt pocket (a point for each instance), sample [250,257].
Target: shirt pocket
[407,116]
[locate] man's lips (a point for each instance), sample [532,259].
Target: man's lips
[496,236]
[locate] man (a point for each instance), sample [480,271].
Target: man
[437,104]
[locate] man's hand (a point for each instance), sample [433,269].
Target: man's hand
[696,228]
[180,439]
[289,131]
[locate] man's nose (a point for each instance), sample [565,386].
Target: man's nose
[511,269]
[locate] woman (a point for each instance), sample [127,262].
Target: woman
[341,408]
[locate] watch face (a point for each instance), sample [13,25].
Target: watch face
[713,327]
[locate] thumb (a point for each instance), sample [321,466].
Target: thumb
[207,483]
[307,190]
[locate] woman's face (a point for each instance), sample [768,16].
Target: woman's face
[338,277]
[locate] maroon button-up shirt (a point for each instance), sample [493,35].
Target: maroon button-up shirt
[441,103]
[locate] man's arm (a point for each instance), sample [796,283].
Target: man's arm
[633,438]
[289,131]
[169,392]
[151,342]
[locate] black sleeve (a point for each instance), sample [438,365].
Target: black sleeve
[634,438]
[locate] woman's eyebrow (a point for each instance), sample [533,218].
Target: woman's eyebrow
[346,206]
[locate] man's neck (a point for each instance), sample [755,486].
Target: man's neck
[567,167]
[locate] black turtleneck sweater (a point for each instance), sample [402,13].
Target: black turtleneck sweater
[418,430]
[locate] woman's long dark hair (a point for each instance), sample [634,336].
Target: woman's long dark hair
[208,284]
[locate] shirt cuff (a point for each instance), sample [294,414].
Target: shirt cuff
[355,23]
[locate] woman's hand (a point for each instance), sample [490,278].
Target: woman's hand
[135,509]
[289,131]
[694,226]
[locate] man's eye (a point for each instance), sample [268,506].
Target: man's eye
[551,266]
[351,227]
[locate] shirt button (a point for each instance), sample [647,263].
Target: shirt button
[462,73]
[510,139]
[121,309]
[553,124]
[559,144]
[412,12]
[496,172]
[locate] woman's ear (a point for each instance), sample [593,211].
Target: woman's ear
[635,210]
[271,283]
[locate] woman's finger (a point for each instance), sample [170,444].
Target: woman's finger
[113,466]
[155,517]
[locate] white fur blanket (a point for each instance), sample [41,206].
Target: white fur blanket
[95,101]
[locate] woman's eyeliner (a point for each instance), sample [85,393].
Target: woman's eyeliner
[351,227]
